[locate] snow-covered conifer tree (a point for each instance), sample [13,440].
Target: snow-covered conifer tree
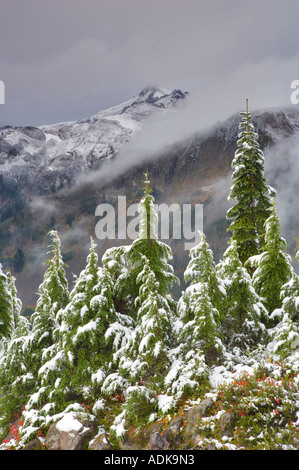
[52,296]
[197,329]
[285,334]
[145,356]
[145,360]
[273,266]
[16,381]
[147,244]
[6,307]
[83,348]
[250,191]
[148,278]
[284,337]
[289,296]
[201,269]
[243,323]
[16,302]
[200,303]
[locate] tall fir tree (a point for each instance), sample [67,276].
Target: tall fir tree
[197,328]
[52,296]
[250,191]
[157,253]
[147,280]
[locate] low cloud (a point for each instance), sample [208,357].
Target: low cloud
[282,169]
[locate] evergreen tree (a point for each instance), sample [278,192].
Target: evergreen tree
[273,266]
[147,244]
[290,298]
[146,277]
[115,260]
[200,330]
[15,379]
[199,304]
[285,334]
[83,348]
[55,281]
[197,329]
[16,302]
[6,307]
[201,269]
[145,355]
[250,191]
[144,360]
[285,337]
[245,315]
[53,295]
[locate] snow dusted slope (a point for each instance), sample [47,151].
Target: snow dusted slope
[50,157]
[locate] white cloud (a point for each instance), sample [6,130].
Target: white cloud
[70,59]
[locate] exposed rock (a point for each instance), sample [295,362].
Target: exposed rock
[172,433]
[169,439]
[158,442]
[226,423]
[180,433]
[205,406]
[210,446]
[141,439]
[70,433]
[35,444]
[192,419]
[100,442]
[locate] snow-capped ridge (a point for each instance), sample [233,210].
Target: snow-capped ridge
[56,154]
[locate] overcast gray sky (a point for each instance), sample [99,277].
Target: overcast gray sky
[67,59]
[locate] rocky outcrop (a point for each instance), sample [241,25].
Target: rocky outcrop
[76,431]
[70,433]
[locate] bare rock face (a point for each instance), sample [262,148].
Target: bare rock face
[70,433]
[192,419]
[100,442]
[227,422]
[180,433]
[158,442]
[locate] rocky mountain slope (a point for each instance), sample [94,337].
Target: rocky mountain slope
[49,158]
[39,169]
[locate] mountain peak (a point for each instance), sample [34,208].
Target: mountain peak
[154,90]
[158,96]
